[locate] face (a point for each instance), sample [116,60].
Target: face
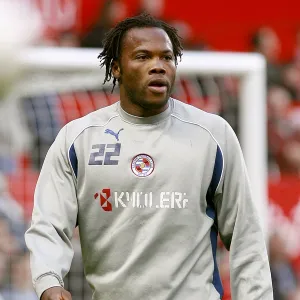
[270,44]
[146,71]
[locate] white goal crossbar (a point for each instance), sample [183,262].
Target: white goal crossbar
[251,69]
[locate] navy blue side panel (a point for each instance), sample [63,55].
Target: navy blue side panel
[218,168]
[213,239]
[73,159]
[211,212]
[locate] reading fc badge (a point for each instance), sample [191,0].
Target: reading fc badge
[142,165]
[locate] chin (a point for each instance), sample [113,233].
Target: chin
[155,103]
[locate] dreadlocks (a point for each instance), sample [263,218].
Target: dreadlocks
[113,38]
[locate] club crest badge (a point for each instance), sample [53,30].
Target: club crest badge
[142,165]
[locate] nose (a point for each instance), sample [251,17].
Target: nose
[157,67]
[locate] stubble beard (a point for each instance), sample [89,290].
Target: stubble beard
[139,98]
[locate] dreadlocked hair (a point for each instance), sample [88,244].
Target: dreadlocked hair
[113,39]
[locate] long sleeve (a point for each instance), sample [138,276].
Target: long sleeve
[239,227]
[53,219]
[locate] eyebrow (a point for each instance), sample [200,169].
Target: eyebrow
[147,51]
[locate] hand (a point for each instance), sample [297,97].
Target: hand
[56,293]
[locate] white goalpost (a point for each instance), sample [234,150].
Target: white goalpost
[249,67]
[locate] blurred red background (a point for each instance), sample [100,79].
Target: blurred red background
[225,25]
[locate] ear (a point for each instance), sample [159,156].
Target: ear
[116,69]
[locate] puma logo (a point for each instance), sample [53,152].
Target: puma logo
[116,135]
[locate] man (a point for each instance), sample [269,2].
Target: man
[150,182]
[266,42]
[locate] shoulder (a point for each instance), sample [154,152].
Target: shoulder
[98,118]
[215,125]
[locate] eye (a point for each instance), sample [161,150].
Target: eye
[168,57]
[142,57]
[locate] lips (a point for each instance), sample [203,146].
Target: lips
[158,86]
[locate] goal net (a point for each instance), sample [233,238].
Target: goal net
[61,84]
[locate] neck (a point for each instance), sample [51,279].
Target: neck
[140,111]
[146,119]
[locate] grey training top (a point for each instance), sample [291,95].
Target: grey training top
[150,196]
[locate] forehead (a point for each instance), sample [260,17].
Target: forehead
[148,38]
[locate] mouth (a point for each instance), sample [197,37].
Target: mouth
[158,86]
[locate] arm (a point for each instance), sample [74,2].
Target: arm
[239,227]
[53,219]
